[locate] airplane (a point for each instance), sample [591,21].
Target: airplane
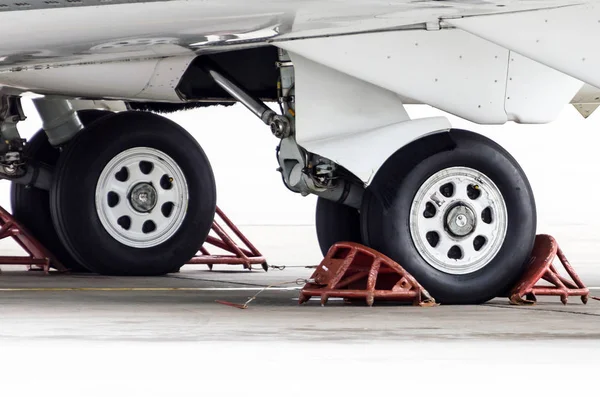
[112,186]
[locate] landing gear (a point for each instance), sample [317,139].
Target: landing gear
[452,207]
[131,194]
[461,219]
[134,194]
[31,205]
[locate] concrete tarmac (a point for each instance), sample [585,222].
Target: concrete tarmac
[87,335]
[183,307]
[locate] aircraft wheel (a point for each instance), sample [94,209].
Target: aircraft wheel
[31,206]
[460,219]
[134,195]
[336,222]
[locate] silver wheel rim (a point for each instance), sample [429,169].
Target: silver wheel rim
[458,220]
[141,197]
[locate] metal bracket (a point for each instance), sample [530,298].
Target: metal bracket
[11,144]
[12,166]
[11,112]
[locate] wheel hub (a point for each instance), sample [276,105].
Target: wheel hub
[460,220]
[143,197]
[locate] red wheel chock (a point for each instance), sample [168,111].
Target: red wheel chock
[541,267]
[353,271]
[38,256]
[238,255]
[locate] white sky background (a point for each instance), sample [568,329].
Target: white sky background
[561,160]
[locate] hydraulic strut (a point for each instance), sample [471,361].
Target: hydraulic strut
[280,125]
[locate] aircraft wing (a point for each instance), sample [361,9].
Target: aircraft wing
[49,43]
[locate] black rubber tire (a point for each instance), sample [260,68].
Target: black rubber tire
[386,209]
[336,222]
[72,198]
[31,206]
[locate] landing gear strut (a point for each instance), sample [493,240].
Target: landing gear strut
[302,172]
